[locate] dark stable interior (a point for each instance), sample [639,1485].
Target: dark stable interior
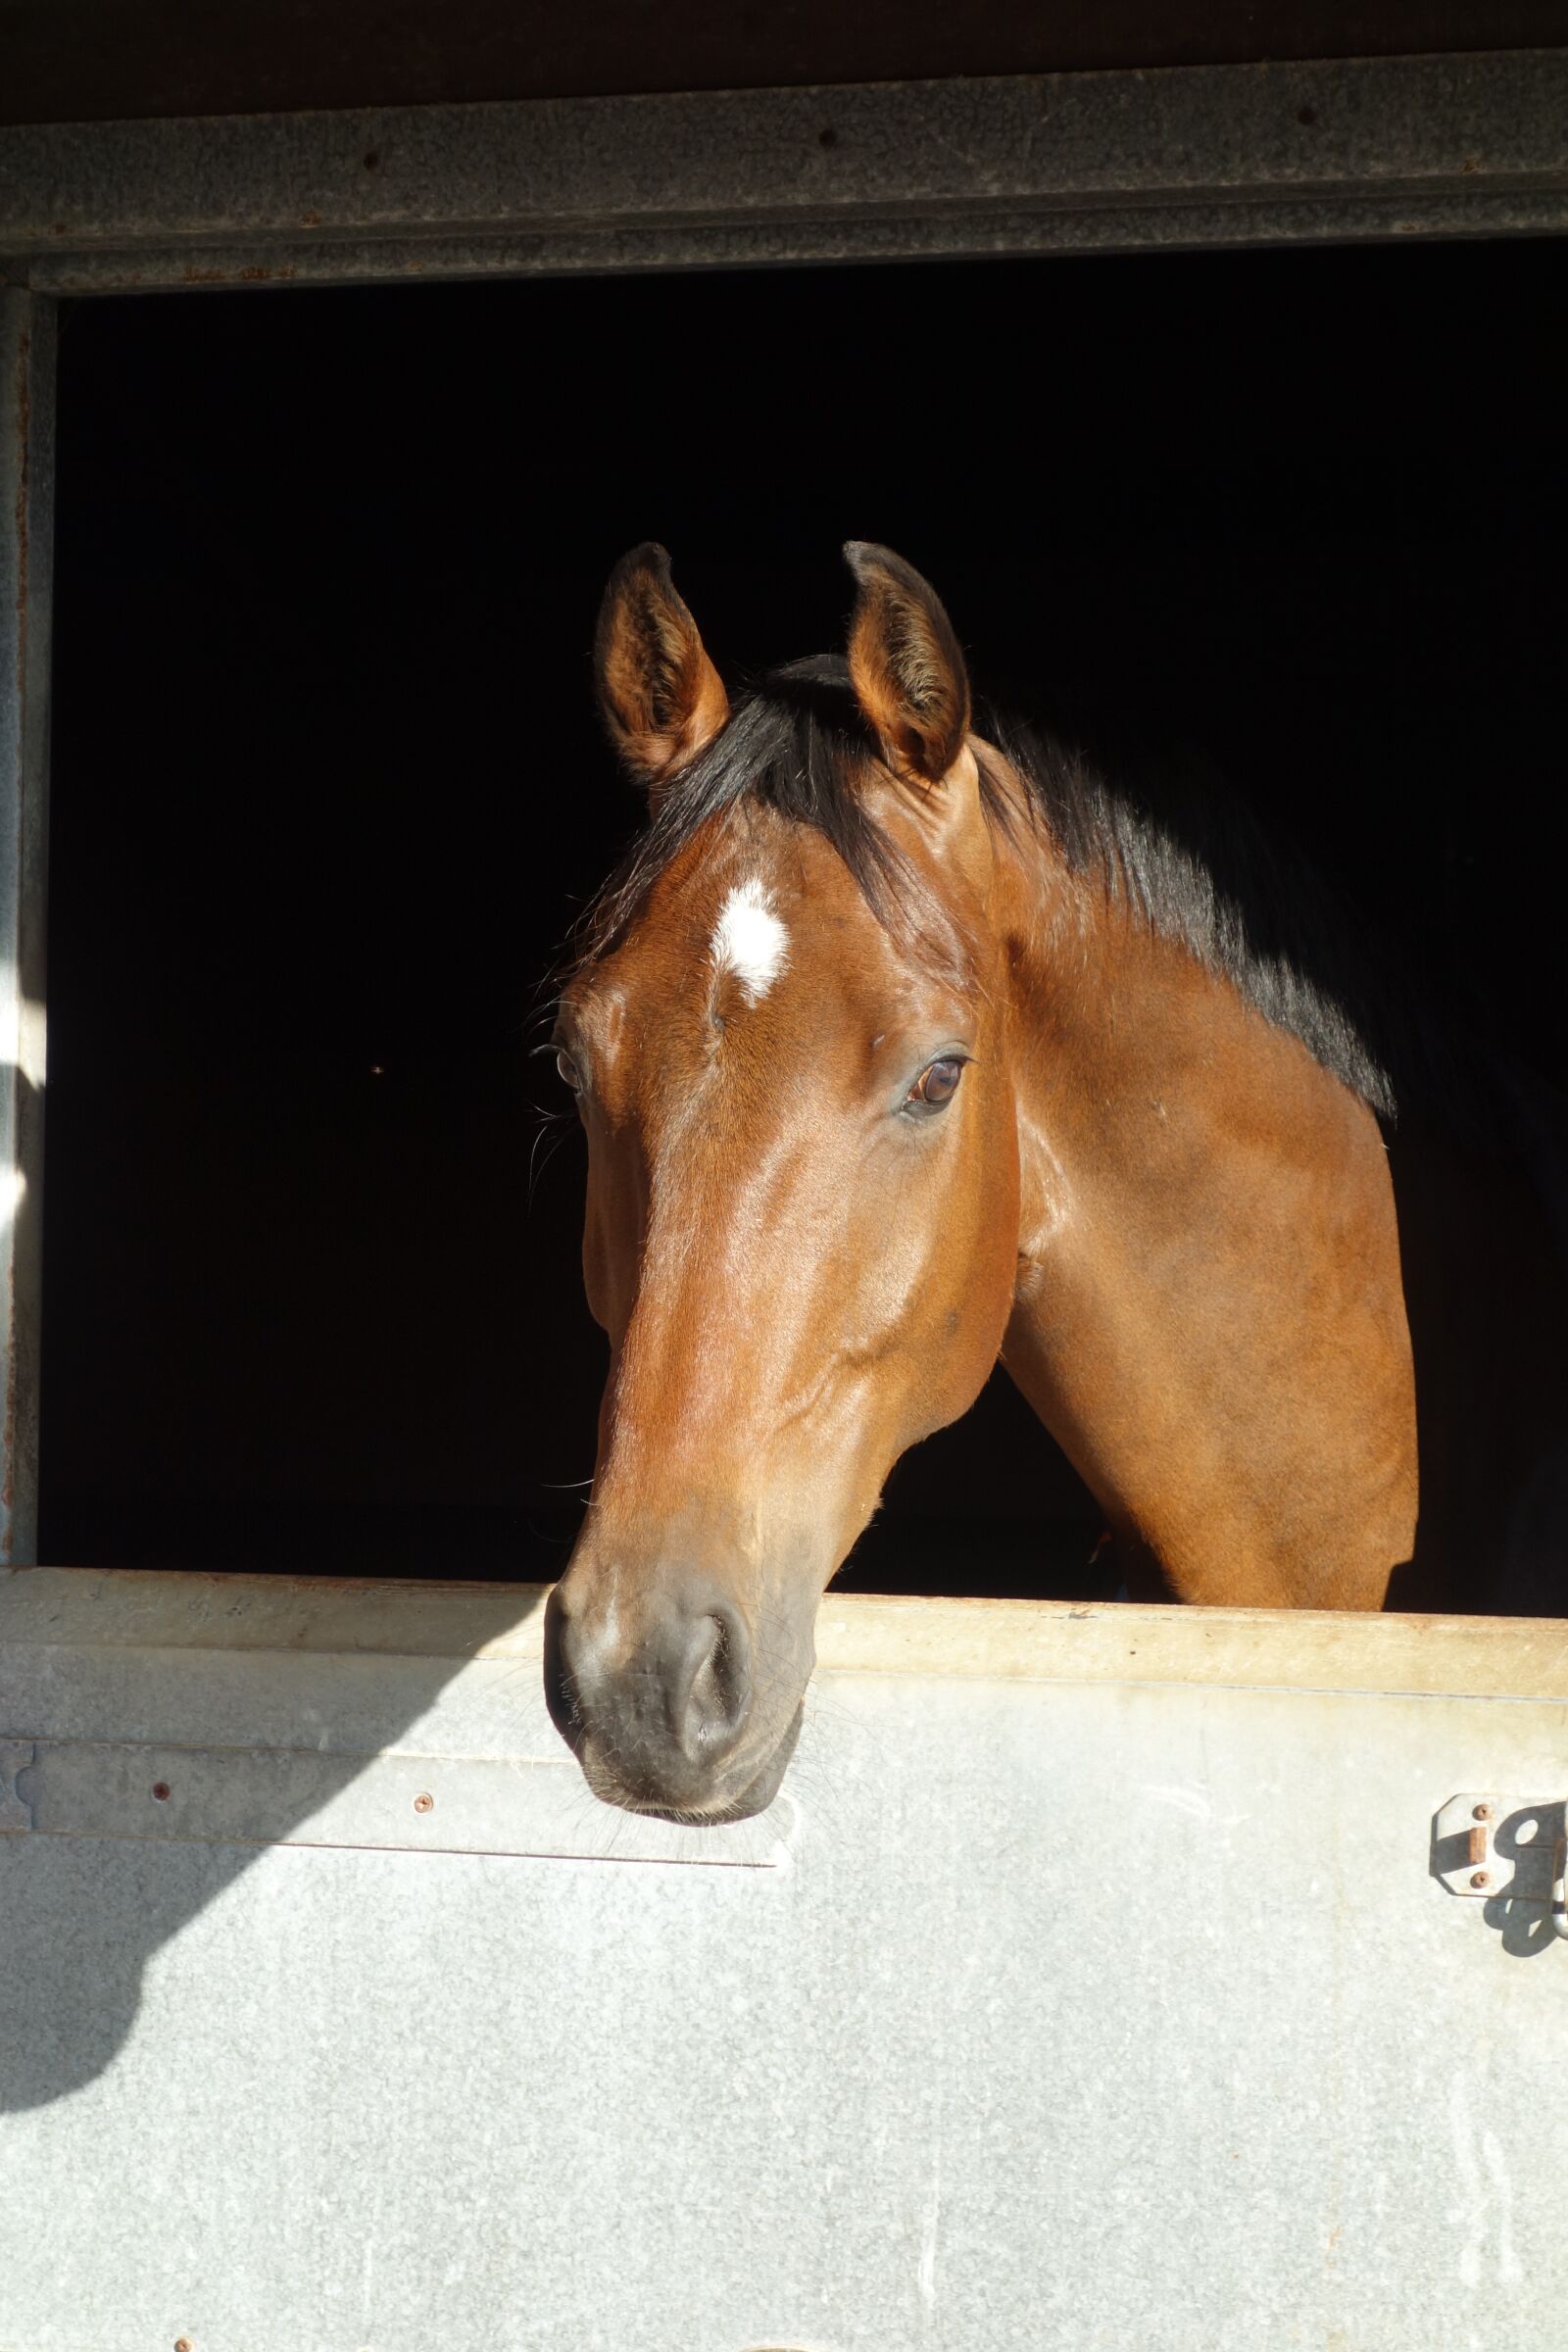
[328,788]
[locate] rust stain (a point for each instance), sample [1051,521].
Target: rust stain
[254,273]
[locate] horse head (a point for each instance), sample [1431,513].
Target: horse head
[786,1038]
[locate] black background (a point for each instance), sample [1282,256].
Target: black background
[75,61]
[329,787]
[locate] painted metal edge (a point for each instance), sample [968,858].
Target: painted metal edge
[740,245]
[844,171]
[1007,1641]
[27,534]
[398,1802]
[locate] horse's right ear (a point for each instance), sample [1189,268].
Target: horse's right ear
[662,698]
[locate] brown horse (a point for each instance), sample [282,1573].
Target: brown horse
[896,1052]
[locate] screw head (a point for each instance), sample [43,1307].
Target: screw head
[1481,1813]
[1480,1878]
[182,2343]
[424,1802]
[160,1792]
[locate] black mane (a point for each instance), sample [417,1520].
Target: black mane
[1171,843]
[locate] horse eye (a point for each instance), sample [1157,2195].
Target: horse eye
[568,1070]
[937,1082]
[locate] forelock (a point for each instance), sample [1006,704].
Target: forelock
[800,746]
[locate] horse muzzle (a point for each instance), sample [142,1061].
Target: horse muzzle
[663,1713]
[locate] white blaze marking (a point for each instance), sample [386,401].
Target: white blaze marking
[750,941]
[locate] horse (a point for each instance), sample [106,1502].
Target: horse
[900,1048]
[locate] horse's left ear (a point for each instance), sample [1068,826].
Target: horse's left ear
[663,700]
[904,665]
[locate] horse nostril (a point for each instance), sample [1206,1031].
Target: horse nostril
[658,1706]
[561,1684]
[713,1686]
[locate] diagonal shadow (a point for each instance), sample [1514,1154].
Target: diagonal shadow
[283,1692]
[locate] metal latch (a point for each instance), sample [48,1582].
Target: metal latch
[1509,1849]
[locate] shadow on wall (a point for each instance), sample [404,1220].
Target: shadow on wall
[120,1692]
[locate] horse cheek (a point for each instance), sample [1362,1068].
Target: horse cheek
[980,1265]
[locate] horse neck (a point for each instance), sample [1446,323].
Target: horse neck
[1208,1316]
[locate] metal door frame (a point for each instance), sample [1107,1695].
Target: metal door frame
[1176,159]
